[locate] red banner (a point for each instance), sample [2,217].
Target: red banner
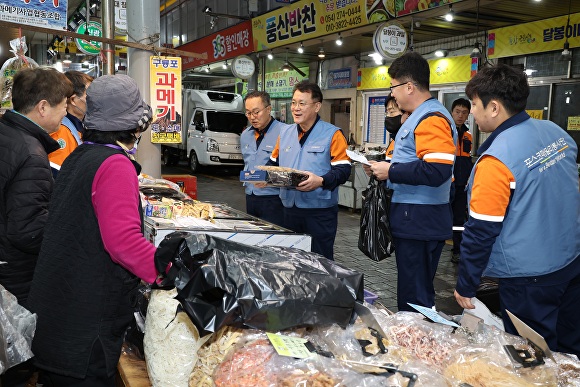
[225,44]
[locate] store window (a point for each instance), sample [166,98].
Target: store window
[546,64]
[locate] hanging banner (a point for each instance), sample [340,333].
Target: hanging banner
[443,71]
[529,38]
[47,14]
[225,44]
[165,78]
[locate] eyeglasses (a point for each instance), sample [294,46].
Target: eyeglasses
[255,113]
[400,84]
[302,104]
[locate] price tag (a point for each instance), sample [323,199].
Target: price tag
[290,346]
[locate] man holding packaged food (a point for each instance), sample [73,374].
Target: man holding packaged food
[258,142]
[420,175]
[524,212]
[319,149]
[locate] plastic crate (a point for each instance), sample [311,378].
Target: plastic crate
[187,183]
[370,297]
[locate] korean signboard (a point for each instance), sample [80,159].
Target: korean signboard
[540,36]
[307,19]
[279,84]
[165,78]
[225,44]
[48,14]
[339,79]
[443,71]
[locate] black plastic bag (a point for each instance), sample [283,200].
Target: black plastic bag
[375,239]
[262,287]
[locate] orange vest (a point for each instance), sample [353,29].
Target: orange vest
[67,144]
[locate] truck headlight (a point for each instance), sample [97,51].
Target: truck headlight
[212,145]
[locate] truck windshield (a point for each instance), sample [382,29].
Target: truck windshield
[226,122]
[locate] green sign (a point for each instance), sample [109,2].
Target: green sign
[89,47]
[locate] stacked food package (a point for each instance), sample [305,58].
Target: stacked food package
[163,199]
[414,352]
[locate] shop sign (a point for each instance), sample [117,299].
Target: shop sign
[46,14]
[225,44]
[414,6]
[573,123]
[539,36]
[89,47]
[537,114]
[443,71]
[243,67]
[339,79]
[308,19]
[279,84]
[390,40]
[72,46]
[165,78]
[121,16]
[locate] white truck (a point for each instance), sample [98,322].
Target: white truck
[213,122]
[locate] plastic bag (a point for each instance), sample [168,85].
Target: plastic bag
[171,341]
[10,68]
[17,327]
[375,239]
[222,282]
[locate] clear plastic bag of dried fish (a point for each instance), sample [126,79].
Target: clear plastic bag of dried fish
[10,68]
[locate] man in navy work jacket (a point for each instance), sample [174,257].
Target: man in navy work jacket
[258,142]
[524,212]
[319,149]
[420,175]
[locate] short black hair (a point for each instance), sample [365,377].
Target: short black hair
[259,94]
[309,87]
[79,81]
[389,99]
[502,82]
[461,102]
[411,67]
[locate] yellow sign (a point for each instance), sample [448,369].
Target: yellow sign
[165,77]
[443,71]
[308,19]
[537,114]
[540,36]
[573,123]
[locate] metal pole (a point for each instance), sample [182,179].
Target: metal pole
[108,32]
[143,26]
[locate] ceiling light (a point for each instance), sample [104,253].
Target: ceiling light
[450,14]
[441,53]
[270,55]
[566,53]
[339,40]
[207,69]
[286,67]
[225,65]
[476,52]
[301,48]
[321,53]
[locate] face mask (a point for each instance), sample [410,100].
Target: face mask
[393,124]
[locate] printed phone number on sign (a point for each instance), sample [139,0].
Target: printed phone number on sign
[341,19]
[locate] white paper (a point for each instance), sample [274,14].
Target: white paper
[354,156]
[433,315]
[485,314]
